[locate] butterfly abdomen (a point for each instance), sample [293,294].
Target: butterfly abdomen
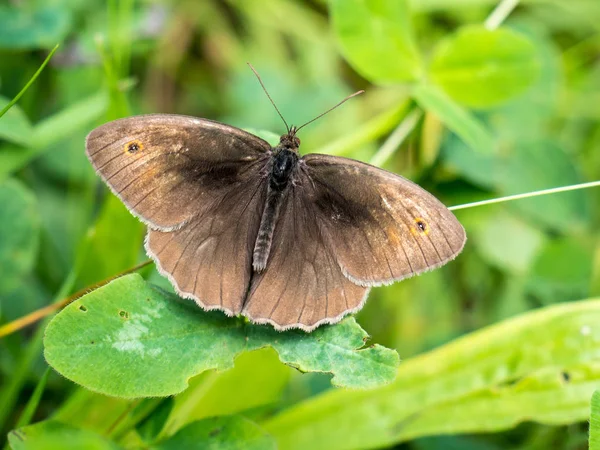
[284,163]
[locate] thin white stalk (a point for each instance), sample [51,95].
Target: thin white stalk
[527,195]
[397,137]
[500,13]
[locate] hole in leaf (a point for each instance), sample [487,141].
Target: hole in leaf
[82,308]
[214,432]
[124,314]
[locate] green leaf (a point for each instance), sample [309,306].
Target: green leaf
[376,38]
[27,28]
[455,117]
[562,270]
[52,435]
[507,242]
[541,366]
[595,422]
[483,68]
[14,125]
[143,342]
[218,433]
[19,234]
[52,130]
[541,165]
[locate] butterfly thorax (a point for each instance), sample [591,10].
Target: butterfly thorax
[284,163]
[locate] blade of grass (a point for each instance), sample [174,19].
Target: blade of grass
[395,140]
[9,392]
[30,82]
[595,422]
[34,401]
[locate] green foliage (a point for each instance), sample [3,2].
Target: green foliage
[19,235]
[220,433]
[376,38]
[540,366]
[595,422]
[33,27]
[483,68]
[487,111]
[51,435]
[163,343]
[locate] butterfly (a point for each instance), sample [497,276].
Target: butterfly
[246,228]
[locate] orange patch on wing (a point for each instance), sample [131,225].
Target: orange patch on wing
[392,235]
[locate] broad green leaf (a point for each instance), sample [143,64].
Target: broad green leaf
[52,435]
[481,169]
[51,131]
[595,422]
[24,27]
[541,366]
[507,241]
[128,339]
[14,125]
[376,38]
[483,68]
[456,118]
[562,270]
[19,234]
[219,433]
[532,166]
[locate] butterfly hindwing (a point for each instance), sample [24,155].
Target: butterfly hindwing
[302,285]
[209,258]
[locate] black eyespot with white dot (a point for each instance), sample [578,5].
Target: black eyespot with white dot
[133,147]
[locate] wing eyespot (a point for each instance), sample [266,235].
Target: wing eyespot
[134,147]
[420,228]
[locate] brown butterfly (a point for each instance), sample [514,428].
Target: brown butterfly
[246,228]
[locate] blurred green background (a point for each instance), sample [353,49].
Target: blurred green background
[467,101]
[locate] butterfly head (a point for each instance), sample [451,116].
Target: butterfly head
[290,141]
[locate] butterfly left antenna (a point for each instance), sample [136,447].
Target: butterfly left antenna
[267,92]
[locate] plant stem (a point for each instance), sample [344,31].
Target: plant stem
[526,195]
[33,317]
[397,137]
[500,13]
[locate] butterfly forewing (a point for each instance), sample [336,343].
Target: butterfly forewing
[383,227]
[167,168]
[200,187]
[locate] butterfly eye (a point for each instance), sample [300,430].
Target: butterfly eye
[133,147]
